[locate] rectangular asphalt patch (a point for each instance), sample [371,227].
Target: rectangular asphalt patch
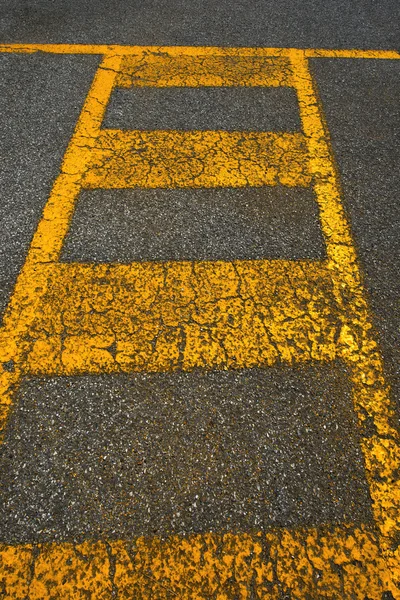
[194,224]
[125,455]
[204,108]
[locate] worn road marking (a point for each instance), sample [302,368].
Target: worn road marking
[169,70]
[323,563]
[203,159]
[157,317]
[76,318]
[103,49]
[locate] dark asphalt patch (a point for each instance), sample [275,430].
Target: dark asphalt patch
[215,108]
[120,455]
[194,224]
[283,23]
[41,97]
[361,104]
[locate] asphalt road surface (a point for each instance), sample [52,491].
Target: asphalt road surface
[199,299]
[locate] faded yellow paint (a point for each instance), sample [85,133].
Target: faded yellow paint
[158,69]
[363,54]
[333,563]
[162,316]
[76,318]
[357,346]
[102,49]
[203,159]
[15,571]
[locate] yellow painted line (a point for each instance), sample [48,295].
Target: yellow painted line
[363,54]
[57,48]
[161,316]
[197,50]
[196,159]
[163,69]
[336,562]
[358,348]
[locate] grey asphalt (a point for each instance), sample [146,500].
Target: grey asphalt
[273,23]
[226,224]
[41,97]
[229,109]
[158,453]
[40,100]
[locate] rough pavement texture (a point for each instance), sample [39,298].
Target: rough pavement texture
[328,562]
[157,454]
[224,224]
[41,97]
[361,103]
[221,108]
[312,23]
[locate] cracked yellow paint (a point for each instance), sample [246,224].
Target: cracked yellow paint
[102,49]
[161,69]
[162,316]
[76,318]
[329,562]
[197,159]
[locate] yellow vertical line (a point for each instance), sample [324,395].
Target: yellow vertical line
[333,219]
[47,241]
[356,345]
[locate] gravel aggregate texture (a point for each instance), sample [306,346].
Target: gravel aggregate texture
[122,456]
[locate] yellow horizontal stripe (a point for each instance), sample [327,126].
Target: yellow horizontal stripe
[196,50]
[158,317]
[172,159]
[158,69]
[371,54]
[336,562]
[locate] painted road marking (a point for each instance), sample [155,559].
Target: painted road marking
[178,316]
[317,563]
[159,69]
[103,49]
[146,316]
[204,159]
